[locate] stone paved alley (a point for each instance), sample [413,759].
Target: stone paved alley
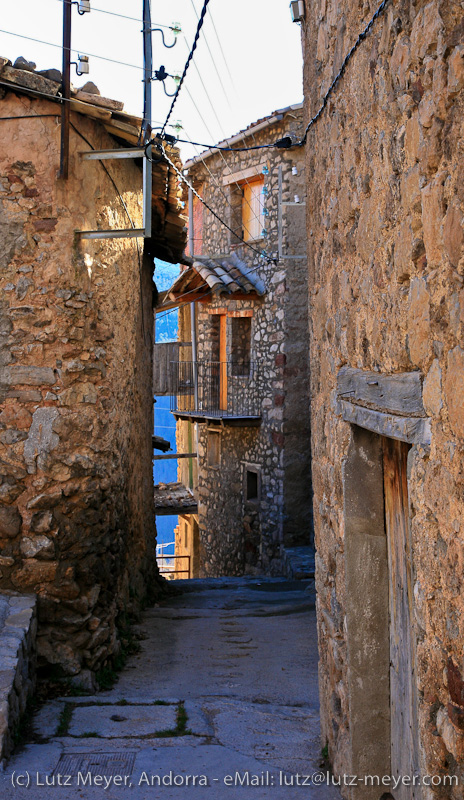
[242,655]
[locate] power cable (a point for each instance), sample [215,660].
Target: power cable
[222,157]
[205,89]
[338,77]
[187,63]
[123,16]
[222,51]
[260,253]
[219,187]
[31,116]
[212,59]
[234,149]
[124,205]
[71,49]
[57,98]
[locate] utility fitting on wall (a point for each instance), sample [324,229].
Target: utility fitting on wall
[297,8]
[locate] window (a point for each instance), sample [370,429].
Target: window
[241,345]
[214,449]
[252,209]
[252,484]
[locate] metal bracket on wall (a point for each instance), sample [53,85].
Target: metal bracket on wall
[125,233]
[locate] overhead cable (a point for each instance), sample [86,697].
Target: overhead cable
[221,191]
[212,59]
[124,16]
[187,63]
[71,49]
[260,253]
[338,77]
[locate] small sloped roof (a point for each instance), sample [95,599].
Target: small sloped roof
[224,275]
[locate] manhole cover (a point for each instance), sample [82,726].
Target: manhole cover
[104,763]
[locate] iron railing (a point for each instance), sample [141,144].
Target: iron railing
[224,388]
[167,566]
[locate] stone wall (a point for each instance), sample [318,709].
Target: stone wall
[18,629]
[385,210]
[77,516]
[237,536]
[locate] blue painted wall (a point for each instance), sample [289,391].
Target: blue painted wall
[165,424]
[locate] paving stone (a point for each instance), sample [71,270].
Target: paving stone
[46,721]
[119,721]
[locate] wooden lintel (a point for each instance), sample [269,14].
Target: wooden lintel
[245,312]
[415,430]
[184,297]
[165,511]
[400,393]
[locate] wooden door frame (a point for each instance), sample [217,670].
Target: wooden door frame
[368,609]
[223,362]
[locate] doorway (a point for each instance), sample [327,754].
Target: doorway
[378,557]
[403,711]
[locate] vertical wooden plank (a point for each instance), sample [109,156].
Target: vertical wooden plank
[223,362]
[404,744]
[247,213]
[252,209]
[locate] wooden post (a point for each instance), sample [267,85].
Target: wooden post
[66,89]
[223,362]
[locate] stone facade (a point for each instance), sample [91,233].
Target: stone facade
[77,515]
[385,184]
[18,629]
[239,535]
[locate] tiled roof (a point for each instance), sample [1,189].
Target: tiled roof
[225,275]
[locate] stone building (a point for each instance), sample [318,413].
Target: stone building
[76,515]
[241,397]
[385,194]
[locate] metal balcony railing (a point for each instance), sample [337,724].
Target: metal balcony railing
[226,389]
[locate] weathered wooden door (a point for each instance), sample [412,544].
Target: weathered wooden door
[404,741]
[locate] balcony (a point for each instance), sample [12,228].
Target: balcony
[223,392]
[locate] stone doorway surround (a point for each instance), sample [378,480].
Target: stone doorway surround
[377,406]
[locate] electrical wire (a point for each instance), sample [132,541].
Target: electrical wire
[187,63]
[212,59]
[260,253]
[222,51]
[205,89]
[71,49]
[221,191]
[229,149]
[338,77]
[124,205]
[222,157]
[123,16]
[31,116]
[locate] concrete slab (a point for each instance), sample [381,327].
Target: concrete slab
[122,721]
[45,722]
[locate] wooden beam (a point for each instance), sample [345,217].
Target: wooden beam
[415,430]
[173,511]
[400,393]
[175,455]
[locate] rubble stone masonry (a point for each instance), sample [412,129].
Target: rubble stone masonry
[76,508]
[236,535]
[385,176]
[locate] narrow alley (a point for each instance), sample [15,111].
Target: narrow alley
[225,684]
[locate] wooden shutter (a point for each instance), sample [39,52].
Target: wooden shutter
[252,209]
[163,354]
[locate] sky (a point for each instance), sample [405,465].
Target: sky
[248,62]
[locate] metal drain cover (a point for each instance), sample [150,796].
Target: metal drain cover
[102,763]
